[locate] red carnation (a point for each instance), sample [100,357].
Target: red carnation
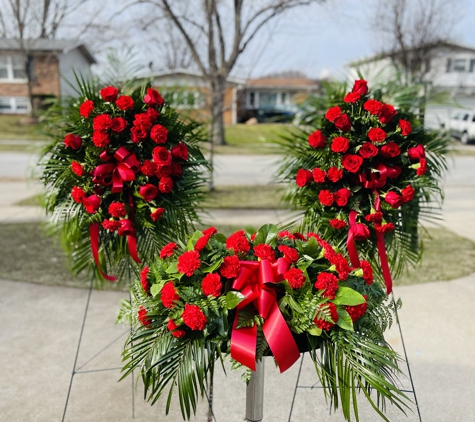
[386,113]
[334,174]
[264,251]
[360,87]
[142,120]
[180,151]
[142,316]
[92,203]
[417,152]
[143,279]
[111,225]
[406,128]
[394,199]
[357,311]
[86,108]
[117,209]
[165,185]
[102,122]
[109,94]
[373,106]
[390,150]
[422,167]
[290,254]
[360,232]
[211,285]
[318,175]
[157,213]
[193,317]
[78,194]
[303,177]
[118,124]
[238,242]
[408,193]
[148,168]
[168,250]
[138,134]
[169,295]
[159,134]
[210,231]
[338,224]
[342,122]
[385,228]
[230,267]
[367,272]
[148,192]
[321,322]
[162,156]
[72,141]
[352,162]
[341,265]
[376,134]
[188,263]
[374,217]
[317,139]
[325,197]
[100,139]
[153,98]
[173,328]
[342,196]
[352,97]
[77,169]
[285,234]
[368,150]
[340,144]
[328,283]
[126,228]
[124,102]
[295,277]
[332,113]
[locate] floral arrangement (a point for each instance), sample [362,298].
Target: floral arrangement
[366,176]
[123,175]
[274,293]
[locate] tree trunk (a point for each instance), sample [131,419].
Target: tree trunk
[217,105]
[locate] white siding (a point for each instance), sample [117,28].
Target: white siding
[70,62]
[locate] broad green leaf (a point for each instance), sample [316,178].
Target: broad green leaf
[233,298]
[311,247]
[221,238]
[348,296]
[266,234]
[193,239]
[155,289]
[294,305]
[211,268]
[172,268]
[344,320]
[314,331]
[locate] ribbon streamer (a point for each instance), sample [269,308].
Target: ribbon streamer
[94,238]
[377,179]
[380,242]
[350,243]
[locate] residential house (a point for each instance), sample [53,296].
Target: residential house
[50,65]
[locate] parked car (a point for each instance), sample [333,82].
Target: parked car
[462,126]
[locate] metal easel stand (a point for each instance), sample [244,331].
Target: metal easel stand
[255,394]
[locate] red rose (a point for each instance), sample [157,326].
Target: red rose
[340,144]
[143,120]
[408,193]
[193,317]
[360,232]
[290,254]
[374,217]
[176,169]
[386,113]
[376,134]
[111,225]
[126,228]
[118,124]
[92,203]
[318,175]
[163,171]
[144,281]
[149,168]
[148,192]
[357,311]
[373,106]
[352,162]
[153,98]
[230,267]
[169,295]
[338,224]
[391,149]
[117,209]
[172,327]
[360,87]
[238,242]
[367,272]
[328,283]
[124,102]
[152,115]
[385,228]
[109,94]
[352,97]
[368,150]
[211,285]
[72,141]
[303,178]
[188,263]
[86,108]
[159,134]
[102,122]
[165,185]
[342,122]
[332,113]
[264,251]
[295,277]
[342,196]
[417,152]
[317,139]
[322,323]
[180,151]
[422,167]
[334,174]
[326,198]
[157,213]
[406,128]
[100,139]
[77,169]
[142,316]
[138,134]
[394,199]
[78,194]
[162,156]
[167,250]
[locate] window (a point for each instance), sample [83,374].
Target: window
[457,116]
[251,99]
[283,97]
[459,65]
[473,118]
[12,68]
[14,105]
[267,100]
[465,118]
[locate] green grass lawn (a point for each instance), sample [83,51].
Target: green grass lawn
[11,128]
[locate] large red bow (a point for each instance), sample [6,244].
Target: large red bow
[255,283]
[116,174]
[371,179]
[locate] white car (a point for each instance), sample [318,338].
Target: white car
[462,126]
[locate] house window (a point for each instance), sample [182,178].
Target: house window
[12,68]
[267,100]
[14,105]
[459,65]
[283,98]
[251,99]
[472,66]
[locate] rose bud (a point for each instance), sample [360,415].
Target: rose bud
[394,199]
[109,94]
[148,192]
[72,141]
[417,152]
[153,98]
[92,204]
[360,232]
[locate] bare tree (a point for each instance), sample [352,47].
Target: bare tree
[216,33]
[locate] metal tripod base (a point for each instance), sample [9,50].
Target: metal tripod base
[255,394]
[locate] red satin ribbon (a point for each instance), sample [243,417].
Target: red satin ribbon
[254,283]
[132,238]
[94,237]
[350,243]
[383,258]
[377,179]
